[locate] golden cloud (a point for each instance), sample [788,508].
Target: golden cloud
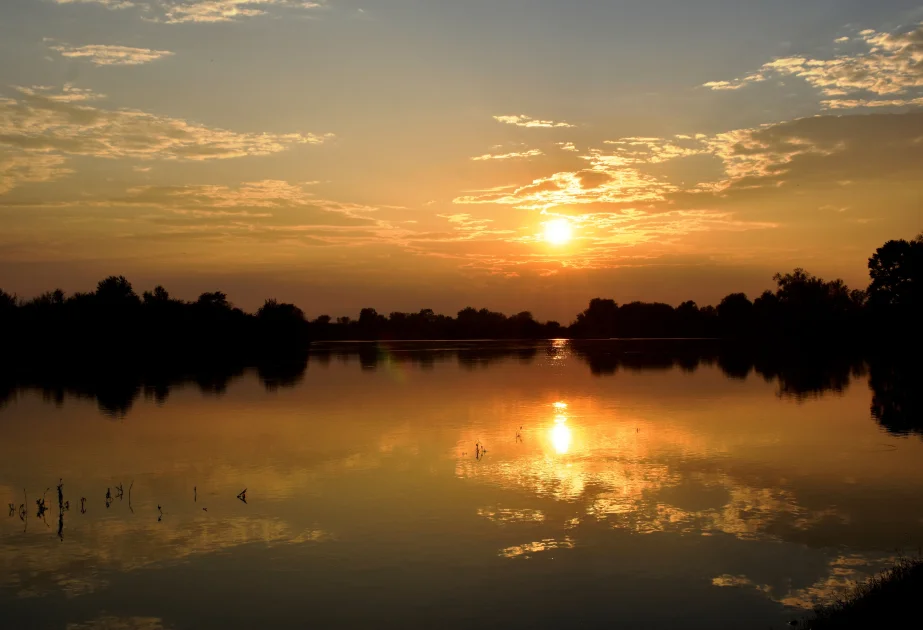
[23,167]
[108,4]
[199,11]
[41,119]
[892,65]
[108,55]
[521,120]
[508,156]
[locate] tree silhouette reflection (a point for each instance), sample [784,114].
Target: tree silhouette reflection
[798,372]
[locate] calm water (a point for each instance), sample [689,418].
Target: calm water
[661,492]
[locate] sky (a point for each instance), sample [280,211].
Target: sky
[407,154]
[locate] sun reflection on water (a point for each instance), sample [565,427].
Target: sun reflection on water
[561,437]
[560,433]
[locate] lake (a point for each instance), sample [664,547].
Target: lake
[530,485]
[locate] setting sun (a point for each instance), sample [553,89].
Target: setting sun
[558,231]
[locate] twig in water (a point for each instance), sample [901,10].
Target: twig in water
[41,508]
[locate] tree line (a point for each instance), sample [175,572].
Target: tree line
[115,321]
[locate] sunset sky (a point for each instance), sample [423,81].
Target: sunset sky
[405,154]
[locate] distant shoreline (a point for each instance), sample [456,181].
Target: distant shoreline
[804,309]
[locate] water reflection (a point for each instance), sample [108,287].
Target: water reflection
[798,376]
[560,433]
[561,436]
[703,480]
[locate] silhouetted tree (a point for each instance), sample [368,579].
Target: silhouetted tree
[116,290]
[896,271]
[735,314]
[598,320]
[273,311]
[7,302]
[158,296]
[217,300]
[114,322]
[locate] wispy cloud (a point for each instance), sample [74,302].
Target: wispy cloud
[527,121]
[211,11]
[21,167]
[592,186]
[508,156]
[734,85]
[261,210]
[631,173]
[267,194]
[108,4]
[891,67]
[214,10]
[109,55]
[41,119]
[855,103]
[567,146]
[200,11]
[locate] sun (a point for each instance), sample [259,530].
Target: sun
[558,231]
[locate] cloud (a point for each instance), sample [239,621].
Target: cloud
[464,227]
[527,121]
[108,4]
[567,146]
[23,167]
[107,55]
[267,194]
[734,85]
[575,188]
[260,210]
[200,11]
[657,192]
[610,178]
[857,103]
[40,119]
[508,156]
[214,10]
[891,66]
[821,148]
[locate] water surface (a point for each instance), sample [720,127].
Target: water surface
[618,488]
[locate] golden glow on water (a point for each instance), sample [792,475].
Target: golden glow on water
[560,433]
[511,462]
[561,438]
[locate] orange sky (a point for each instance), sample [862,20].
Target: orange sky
[406,156]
